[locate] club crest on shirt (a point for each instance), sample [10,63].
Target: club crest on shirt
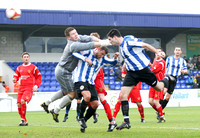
[81,87]
[100,89]
[156,95]
[138,98]
[27,97]
[29,71]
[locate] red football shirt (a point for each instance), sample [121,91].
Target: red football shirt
[29,75]
[158,68]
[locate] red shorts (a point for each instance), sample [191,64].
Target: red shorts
[155,94]
[99,85]
[25,93]
[134,95]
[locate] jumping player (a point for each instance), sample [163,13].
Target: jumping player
[132,51]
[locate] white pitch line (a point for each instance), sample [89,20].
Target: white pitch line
[186,128]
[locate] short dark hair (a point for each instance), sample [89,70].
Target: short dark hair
[113,32]
[105,49]
[68,30]
[25,53]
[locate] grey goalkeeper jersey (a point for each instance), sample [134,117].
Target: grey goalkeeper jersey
[70,62]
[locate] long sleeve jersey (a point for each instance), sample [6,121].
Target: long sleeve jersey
[29,75]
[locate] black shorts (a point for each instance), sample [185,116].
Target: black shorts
[172,89]
[144,75]
[85,86]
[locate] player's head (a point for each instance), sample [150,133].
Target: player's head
[113,36]
[159,50]
[25,57]
[71,34]
[101,52]
[95,34]
[163,55]
[177,51]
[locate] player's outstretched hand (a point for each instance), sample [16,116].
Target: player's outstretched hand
[105,42]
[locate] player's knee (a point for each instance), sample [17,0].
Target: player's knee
[23,101]
[87,98]
[95,104]
[18,105]
[150,102]
[72,95]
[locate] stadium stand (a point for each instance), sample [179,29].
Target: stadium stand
[50,84]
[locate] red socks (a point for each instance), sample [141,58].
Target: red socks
[23,111]
[107,109]
[160,110]
[154,107]
[116,109]
[141,111]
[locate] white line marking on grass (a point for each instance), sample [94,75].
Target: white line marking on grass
[172,128]
[186,128]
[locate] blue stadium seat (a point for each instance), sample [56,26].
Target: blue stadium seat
[42,68]
[106,72]
[47,78]
[111,78]
[117,87]
[55,64]
[53,78]
[112,86]
[57,88]
[15,63]
[53,83]
[40,89]
[183,86]
[118,83]
[34,63]
[44,64]
[46,89]
[50,64]
[182,81]
[189,86]
[42,73]
[46,83]
[53,88]
[115,68]
[47,68]
[111,82]
[48,73]
[9,64]
[39,64]
[185,77]
[177,86]
[194,72]
[145,86]
[52,73]
[106,81]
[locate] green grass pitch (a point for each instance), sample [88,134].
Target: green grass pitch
[180,122]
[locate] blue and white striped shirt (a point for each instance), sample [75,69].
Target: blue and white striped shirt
[133,54]
[174,66]
[86,73]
